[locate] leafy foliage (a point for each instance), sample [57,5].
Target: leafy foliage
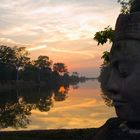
[21,57]
[43,62]
[6,55]
[102,37]
[105,56]
[108,33]
[15,115]
[14,58]
[126,6]
[60,68]
[105,35]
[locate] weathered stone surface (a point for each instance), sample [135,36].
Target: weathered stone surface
[128,27]
[135,6]
[112,130]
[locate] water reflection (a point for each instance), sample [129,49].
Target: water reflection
[42,107]
[15,115]
[15,109]
[103,79]
[61,94]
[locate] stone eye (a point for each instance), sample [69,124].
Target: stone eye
[121,68]
[123,71]
[124,74]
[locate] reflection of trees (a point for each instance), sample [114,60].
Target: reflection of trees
[103,79]
[61,93]
[45,104]
[14,115]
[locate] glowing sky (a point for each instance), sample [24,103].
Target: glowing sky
[60,29]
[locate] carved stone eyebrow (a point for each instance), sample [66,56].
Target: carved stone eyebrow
[125,58]
[115,60]
[121,61]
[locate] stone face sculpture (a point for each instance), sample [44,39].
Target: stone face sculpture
[124,79]
[125,67]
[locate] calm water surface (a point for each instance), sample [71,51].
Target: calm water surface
[80,106]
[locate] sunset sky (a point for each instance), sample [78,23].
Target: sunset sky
[60,29]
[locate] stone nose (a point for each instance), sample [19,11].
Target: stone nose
[114,83]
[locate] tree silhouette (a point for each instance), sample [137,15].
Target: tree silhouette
[6,55]
[60,68]
[126,6]
[15,65]
[7,59]
[21,59]
[42,62]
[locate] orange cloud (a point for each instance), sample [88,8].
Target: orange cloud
[37,48]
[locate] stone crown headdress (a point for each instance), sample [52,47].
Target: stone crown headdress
[128,25]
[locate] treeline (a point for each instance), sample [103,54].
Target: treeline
[16,65]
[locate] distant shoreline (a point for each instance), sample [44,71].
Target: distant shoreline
[28,84]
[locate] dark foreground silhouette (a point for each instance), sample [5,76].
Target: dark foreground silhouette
[113,129]
[63,134]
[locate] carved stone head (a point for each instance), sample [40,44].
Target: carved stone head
[124,78]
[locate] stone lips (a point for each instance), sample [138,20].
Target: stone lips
[127,26]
